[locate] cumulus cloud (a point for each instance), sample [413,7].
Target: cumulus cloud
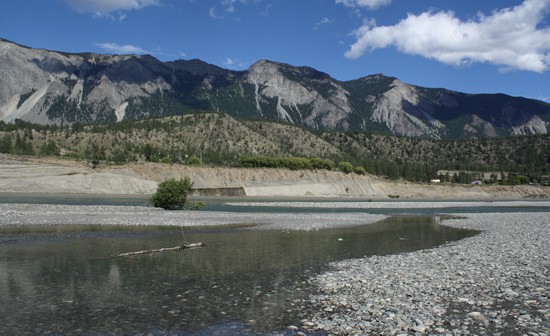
[120,49]
[371,4]
[510,37]
[106,7]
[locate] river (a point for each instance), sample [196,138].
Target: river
[68,280]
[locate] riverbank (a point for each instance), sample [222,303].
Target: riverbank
[51,175]
[495,283]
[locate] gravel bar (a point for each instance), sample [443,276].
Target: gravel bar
[495,283]
[48,214]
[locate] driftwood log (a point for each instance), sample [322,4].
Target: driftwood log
[164,249]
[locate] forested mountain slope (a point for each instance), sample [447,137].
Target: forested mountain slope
[220,139]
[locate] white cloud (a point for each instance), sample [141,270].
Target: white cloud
[324,21]
[371,4]
[267,10]
[213,13]
[510,37]
[121,49]
[231,3]
[229,6]
[106,7]
[159,53]
[234,63]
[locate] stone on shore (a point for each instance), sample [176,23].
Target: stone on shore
[494,283]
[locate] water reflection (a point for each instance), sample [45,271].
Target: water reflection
[241,282]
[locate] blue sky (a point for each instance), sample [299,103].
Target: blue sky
[470,46]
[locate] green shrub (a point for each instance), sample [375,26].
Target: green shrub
[73,155]
[167,160]
[194,205]
[49,148]
[293,163]
[5,144]
[172,194]
[318,163]
[194,161]
[345,167]
[360,170]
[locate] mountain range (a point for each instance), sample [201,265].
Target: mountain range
[52,87]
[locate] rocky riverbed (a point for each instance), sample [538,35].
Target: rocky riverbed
[58,214]
[496,283]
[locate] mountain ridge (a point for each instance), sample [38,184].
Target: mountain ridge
[51,87]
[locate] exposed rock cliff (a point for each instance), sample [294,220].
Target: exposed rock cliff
[50,87]
[405,111]
[299,101]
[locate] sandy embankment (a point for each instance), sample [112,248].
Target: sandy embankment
[40,175]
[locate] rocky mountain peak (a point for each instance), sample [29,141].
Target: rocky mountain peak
[196,67]
[63,88]
[263,68]
[298,95]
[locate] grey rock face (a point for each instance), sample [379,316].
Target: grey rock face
[49,87]
[404,111]
[293,97]
[35,80]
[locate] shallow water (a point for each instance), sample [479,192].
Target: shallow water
[297,205]
[242,282]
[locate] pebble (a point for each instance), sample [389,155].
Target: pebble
[493,283]
[476,315]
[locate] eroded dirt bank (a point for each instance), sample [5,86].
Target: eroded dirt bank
[50,175]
